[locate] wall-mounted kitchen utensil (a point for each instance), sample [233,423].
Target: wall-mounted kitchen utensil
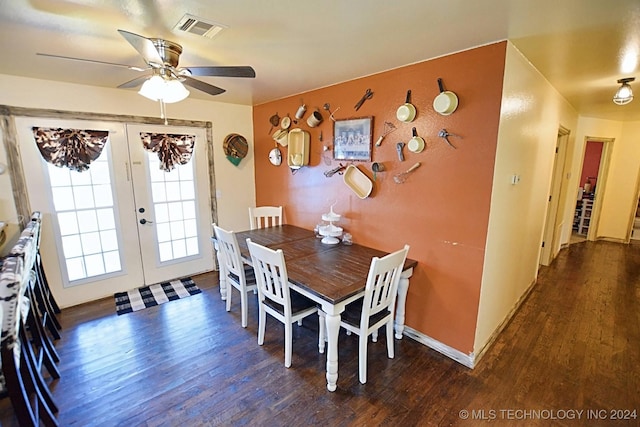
[357,181]
[275,156]
[445,135]
[399,147]
[367,95]
[406,112]
[281,137]
[327,108]
[285,122]
[388,128]
[298,155]
[377,167]
[402,176]
[300,113]
[336,170]
[275,121]
[446,102]
[314,119]
[416,143]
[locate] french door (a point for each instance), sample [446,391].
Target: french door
[172,209]
[124,222]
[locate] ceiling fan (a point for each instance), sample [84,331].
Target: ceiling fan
[161,57]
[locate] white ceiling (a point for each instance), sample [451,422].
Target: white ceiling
[300,45]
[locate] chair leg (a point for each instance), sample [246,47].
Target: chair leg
[262,320]
[243,308]
[229,292]
[374,336]
[362,357]
[390,338]
[30,366]
[46,307]
[45,284]
[322,331]
[288,340]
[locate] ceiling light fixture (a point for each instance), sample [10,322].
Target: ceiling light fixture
[165,90]
[157,88]
[624,95]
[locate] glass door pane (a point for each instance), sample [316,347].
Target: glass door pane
[174,205]
[84,206]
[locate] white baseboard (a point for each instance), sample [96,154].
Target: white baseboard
[611,239]
[505,321]
[467,360]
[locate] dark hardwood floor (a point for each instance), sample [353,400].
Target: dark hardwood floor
[569,357]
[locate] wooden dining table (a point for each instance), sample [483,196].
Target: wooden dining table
[331,275]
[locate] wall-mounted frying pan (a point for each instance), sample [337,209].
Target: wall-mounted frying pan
[416,143]
[406,112]
[446,102]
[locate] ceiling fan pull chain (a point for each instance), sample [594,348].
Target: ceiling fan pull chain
[163,111]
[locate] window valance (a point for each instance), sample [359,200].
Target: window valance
[172,149]
[71,148]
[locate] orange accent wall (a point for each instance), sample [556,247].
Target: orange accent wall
[442,209]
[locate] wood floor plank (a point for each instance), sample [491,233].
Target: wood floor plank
[573,344]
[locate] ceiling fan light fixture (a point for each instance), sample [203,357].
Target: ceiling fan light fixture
[624,94]
[174,91]
[152,88]
[169,91]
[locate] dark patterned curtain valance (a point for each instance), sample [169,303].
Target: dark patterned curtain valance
[172,149]
[72,148]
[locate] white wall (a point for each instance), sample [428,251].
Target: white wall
[532,112]
[619,199]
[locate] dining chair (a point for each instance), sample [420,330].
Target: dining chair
[239,274]
[366,315]
[265,216]
[274,295]
[41,293]
[30,396]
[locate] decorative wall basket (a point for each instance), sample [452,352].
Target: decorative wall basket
[235,147]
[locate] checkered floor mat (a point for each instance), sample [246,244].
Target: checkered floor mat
[149,296]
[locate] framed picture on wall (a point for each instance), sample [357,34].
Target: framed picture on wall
[352,139]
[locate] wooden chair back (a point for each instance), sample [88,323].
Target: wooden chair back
[230,250]
[382,284]
[271,275]
[265,216]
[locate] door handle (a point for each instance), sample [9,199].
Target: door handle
[144,221]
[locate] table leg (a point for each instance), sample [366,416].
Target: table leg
[333,329]
[222,272]
[403,288]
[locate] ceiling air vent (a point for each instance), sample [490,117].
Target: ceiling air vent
[193,24]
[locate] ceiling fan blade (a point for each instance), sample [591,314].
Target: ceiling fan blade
[131,67]
[133,83]
[223,71]
[200,85]
[144,46]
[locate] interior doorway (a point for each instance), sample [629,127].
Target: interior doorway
[554,223]
[591,187]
